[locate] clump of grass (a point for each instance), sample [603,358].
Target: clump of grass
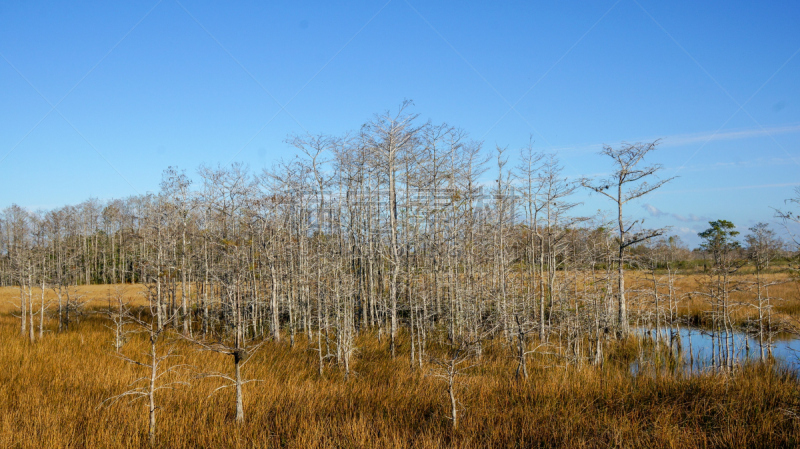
[788,308]
[622,353]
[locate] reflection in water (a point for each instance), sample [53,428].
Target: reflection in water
[700,349]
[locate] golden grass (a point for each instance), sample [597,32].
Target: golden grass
[50,392]
[784,297]
[98,296]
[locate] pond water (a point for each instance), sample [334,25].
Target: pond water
[700,348]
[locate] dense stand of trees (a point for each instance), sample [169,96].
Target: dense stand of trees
[391,229]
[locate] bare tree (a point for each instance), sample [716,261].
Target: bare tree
[789,217]
[119,312]
[721,244]
[628,182]
[161,370]
[175,186]
[392,137]
[454,363]
[228,194]
[762,248]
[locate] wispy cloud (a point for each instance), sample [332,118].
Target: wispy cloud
[686,139]
[656,212]
[725,189]
[677,140]
[688,218]
[653,211]
[750,163]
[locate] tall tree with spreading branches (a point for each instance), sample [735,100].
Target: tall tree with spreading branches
[630,180]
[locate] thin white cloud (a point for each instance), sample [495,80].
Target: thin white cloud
[725,189]
[653,211]
[677,140]
[686,139]
[656,212]
[750,163]
[688,218]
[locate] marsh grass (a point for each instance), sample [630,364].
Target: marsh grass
[51,394]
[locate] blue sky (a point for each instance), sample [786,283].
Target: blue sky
[100,98]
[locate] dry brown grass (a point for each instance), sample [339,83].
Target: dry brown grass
[50,392]
[97,295]
[784,297]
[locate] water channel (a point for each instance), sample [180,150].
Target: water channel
[700,350]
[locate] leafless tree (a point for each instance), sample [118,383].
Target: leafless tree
[457,360]
[762,248]
[159,363]
[628,182]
